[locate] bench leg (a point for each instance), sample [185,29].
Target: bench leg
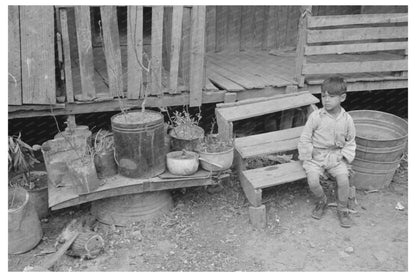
[258,216]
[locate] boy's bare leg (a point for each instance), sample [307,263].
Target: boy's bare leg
[343,193]
[318,192]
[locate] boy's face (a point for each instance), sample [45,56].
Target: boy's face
[332,102]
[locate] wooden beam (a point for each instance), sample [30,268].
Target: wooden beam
[197,78]
[85,54]
[351,34]
[38,54]
[14,65]
[26,111]
[355,67]
[177,15]
[156,45]
[134,52]
[112,52]
[342,20]
[67,55]
[354,48]
[306,12]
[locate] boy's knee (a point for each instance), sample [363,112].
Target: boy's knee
[313,179]
[343,180]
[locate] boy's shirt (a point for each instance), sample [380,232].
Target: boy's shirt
[324,135]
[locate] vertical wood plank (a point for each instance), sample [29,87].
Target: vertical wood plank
[233,28]
[175,48]
[112,50]
[247,28]
[185,46]
[156,46]
[197,78]
[38,54]
[67,55]
[86,60]
[167,37]
[300,49]
[210,28]
[281,25]
[14,65]
[221,28]
[271,27]
[134,52]
[259,27]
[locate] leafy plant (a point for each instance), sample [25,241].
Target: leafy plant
[103,141]
[212,143]
[21,158]
[184,124]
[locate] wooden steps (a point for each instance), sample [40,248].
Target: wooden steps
[254,180]
[274,175]
[227,113]
[268,143]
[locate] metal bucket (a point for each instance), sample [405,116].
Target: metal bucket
[381,140]
[139,141]
[127,209]
[372,174]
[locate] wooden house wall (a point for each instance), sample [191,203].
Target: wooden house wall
[237,28]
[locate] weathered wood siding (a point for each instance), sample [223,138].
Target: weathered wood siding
[38,54]
[237,28]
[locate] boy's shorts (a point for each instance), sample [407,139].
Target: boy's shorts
[313,166]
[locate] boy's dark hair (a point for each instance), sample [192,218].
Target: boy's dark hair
[334,85]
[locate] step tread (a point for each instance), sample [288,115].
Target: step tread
[269,176]
[266,106]
[268,143]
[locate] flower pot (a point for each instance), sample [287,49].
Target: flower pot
[224,159]
[105,164]
[187,138]
[39,194]
[83,176]
[182,162]
[24,226]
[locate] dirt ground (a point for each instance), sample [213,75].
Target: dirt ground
[211,232]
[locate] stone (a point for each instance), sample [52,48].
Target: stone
[349,250]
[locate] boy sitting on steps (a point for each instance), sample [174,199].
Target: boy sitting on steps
[327,143]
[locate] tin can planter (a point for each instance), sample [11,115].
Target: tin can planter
[38,195]
[139,141]
[186,137]
[24,226]
[215,153]
[105,164]
[83,175]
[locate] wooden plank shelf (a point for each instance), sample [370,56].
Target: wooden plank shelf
[64,196]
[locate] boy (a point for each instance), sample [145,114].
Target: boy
[327,143]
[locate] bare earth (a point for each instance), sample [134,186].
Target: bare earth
[211,232]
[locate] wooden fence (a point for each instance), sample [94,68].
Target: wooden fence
[173,63]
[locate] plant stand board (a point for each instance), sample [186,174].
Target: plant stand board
[64,196]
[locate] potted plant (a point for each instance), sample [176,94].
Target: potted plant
[105,164]
[24,226]
[216,153]
[21,163]
[185,132]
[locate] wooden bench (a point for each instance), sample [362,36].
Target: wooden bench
[253,181]
[362,48]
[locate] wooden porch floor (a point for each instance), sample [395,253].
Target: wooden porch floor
[243,71]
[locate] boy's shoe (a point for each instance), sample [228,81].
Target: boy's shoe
[344,219]
[319,210]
